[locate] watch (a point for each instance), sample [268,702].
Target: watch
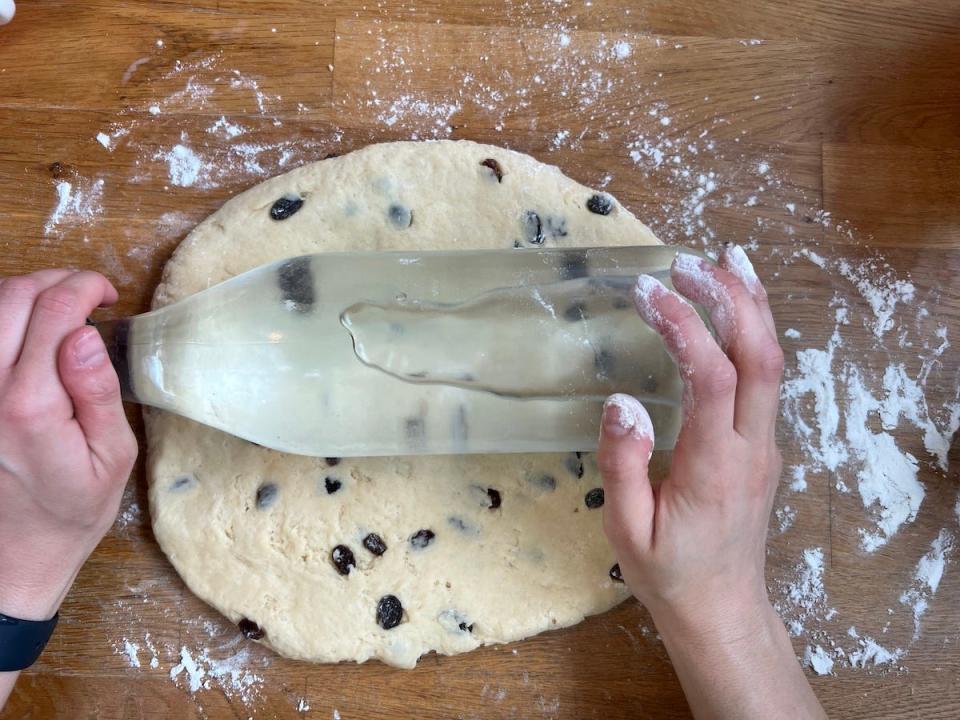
[22,641]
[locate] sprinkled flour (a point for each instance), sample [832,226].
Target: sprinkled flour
[185,167]
[805,594]
[78,204]
[927,576]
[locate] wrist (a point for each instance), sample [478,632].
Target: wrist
[729,621]
[32,603]
[32,588]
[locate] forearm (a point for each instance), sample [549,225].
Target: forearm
[739,668]
[7,681]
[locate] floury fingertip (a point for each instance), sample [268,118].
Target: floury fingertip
[646,289]
[625,415]
[8,9]
[738,263]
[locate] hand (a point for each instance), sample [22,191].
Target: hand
[698,541]
[66,449]
[693,549]
[7,10]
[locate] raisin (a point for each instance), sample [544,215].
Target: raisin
[463,526]
[266,495]
[604,362]
[556,226]
[332,462]
[250,630]
[375,544]
[594,498]
[461,427]
[400,216]
[182,483]
[576,312]
[343,559]
[332,485]
[495,498]
[295,278]
[415,429]
[600,204]
[573,265]
[389,612]
[422,538]
[465,628]
[615,573]
[574,463]
[495,167]
[532,228]
[285,207]
[544,481]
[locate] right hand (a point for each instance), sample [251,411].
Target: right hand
[693,550]
[66,449]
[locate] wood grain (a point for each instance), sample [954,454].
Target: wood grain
[853,107]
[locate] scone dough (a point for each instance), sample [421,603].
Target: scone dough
[479,549]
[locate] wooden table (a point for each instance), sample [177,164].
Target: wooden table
[854,107]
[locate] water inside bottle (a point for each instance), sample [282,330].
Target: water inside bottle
[400,353]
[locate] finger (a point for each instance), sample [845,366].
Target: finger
[17,296]
[709,378]
[626,443]
[93,386]
[58,310]
[734,260]
[755,352]
[7,10]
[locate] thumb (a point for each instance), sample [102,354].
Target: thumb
[7,10]
[626,443]
[92,383]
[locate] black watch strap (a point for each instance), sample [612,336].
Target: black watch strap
[22,641]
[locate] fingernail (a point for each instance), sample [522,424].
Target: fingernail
[88,351]
[624,415]
[739,264]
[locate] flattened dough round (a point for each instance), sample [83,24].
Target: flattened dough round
[489,575]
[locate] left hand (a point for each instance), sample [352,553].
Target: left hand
[66,449]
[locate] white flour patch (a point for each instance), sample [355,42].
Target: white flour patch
[798,478]
[887,478]
[194,673]
[880,287]
[871,654]
[79,204]
[130,650]
[201,672]
[927,576]
[818,660]
[411,110]
[805,597]
[786,516]
[226,129]
[813,379]
[185,167]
